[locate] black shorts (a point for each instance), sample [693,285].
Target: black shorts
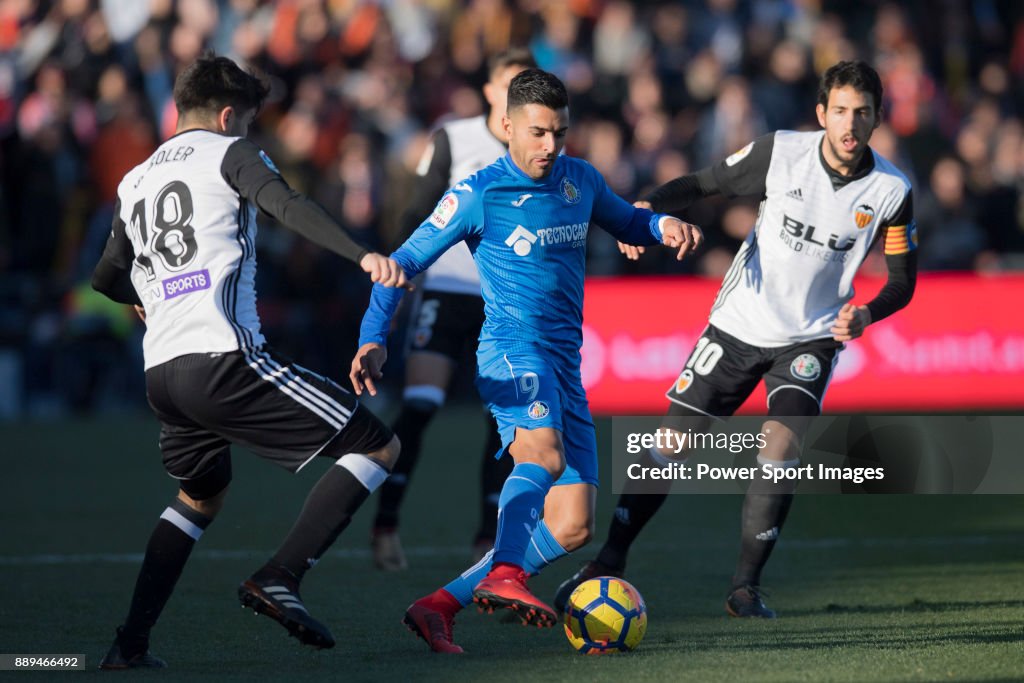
[256,399]
[722,371]
[446,323]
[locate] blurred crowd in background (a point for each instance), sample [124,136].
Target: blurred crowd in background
[658,89]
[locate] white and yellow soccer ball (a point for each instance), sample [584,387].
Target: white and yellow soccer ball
[605,615]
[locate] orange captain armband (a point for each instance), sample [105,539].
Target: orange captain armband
[900,239]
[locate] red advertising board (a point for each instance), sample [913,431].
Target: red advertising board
[959,345]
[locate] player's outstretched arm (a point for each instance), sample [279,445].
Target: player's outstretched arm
[366,367]
[637,225]
[741,174]
[680,193]
[251,173]
[451,221]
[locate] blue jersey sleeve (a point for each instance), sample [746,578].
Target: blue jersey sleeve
[621,219]
[457,216]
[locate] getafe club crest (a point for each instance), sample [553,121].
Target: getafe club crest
[570,192]
[863,215]
[538,409]
[684,381]
[805,367]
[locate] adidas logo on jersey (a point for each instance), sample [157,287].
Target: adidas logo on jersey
[796,194]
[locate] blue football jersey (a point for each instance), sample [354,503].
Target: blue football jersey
[528,238]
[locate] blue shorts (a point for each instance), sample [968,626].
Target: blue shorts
[527,390]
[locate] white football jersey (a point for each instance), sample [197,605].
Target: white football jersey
[795,270]
[195,259]
[472,146]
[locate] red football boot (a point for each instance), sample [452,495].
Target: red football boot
[504,587]
[432,619]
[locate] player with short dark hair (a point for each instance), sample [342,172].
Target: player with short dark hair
[855,74]
[784,310]
[211,83]
[525,219]
[448,315]
[182,251]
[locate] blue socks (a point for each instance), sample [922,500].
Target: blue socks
[542,551]
[519,509]
[461,587]
[523,539]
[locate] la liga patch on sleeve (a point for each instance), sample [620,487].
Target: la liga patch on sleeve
[739,155]
[444,210]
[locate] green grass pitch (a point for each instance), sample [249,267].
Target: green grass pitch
[868,588]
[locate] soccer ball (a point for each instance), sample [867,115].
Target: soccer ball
[605,615]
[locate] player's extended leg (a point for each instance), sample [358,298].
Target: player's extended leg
[796,382]
[765,508]
[493,473]
[427,377]
[274,589]
[169,547]
[767,502]
[519,390]
[498,580]
[568,524]
[540,460]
